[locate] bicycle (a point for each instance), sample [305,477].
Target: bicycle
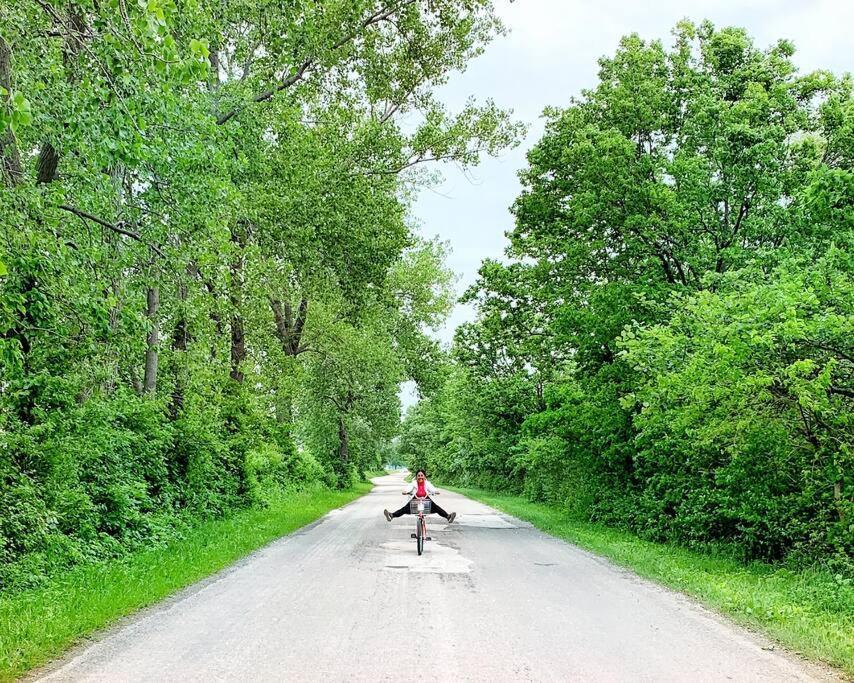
[420,507]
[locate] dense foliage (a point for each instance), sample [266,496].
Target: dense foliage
[209,287]
[668,345]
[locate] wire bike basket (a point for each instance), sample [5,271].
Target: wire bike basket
[417,505]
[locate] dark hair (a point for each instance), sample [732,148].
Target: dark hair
[417,472]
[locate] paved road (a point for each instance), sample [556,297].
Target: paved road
[492,599]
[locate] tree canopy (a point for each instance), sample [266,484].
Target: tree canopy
[667,345]
[210,287]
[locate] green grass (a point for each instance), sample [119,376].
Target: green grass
[810,612]
[39,625]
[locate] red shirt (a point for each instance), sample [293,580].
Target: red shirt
[420,490]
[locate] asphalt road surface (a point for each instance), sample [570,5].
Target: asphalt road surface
[491,599]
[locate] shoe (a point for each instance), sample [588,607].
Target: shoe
[387,515]
[452,517]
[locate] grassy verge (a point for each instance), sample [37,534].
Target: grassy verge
[38,625]
[810,612]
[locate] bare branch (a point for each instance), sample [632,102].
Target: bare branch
[335,402]
[110,226]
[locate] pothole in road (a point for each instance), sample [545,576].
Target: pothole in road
[436,559]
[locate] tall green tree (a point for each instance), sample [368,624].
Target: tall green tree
[184,186]
[668,213]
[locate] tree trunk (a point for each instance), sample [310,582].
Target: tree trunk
[181,335]
[193,271]
[10,160]
[238,348]
[48,162]
[289,329]
[213,62]
[135,383]
[343,442]
[149,384]
[111,239]
[25,398]
[180,341]
[235,295]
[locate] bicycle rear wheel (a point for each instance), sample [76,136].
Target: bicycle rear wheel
[419,535]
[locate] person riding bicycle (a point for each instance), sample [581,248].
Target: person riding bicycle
[420,488]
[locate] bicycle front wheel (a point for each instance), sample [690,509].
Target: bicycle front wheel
[419,535]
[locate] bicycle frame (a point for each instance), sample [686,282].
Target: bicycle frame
[420,507]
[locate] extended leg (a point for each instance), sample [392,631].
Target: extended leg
[402,511]
[438,510]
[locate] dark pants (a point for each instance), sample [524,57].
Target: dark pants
[433,508]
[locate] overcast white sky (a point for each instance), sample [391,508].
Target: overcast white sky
[549,55]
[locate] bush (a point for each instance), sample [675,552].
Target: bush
[269,472]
